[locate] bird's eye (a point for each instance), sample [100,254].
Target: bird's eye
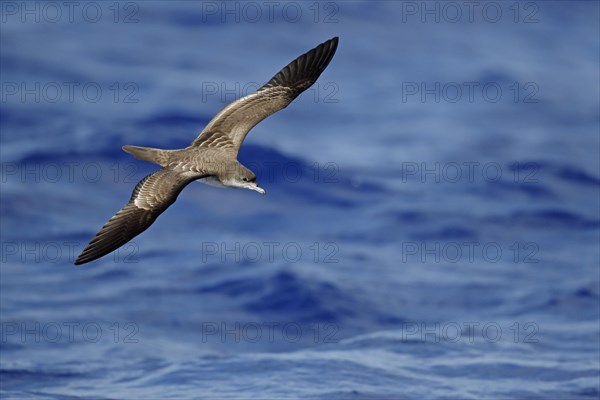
[245,179]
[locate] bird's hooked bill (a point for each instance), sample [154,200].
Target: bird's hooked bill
[259,190]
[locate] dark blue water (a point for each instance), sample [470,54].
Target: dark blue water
[431,226]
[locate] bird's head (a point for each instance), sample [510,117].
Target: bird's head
[242,177]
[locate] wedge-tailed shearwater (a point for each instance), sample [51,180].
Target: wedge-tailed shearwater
[211,158]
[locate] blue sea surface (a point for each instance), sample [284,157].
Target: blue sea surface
[431,228]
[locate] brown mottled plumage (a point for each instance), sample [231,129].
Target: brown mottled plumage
[211,158]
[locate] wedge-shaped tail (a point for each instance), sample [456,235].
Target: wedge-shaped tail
[157,156]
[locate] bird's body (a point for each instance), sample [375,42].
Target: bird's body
[211,158]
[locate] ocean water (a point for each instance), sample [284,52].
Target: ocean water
[431,229]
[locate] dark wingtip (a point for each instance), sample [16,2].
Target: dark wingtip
[329,48]
[301,73]
[82,259]
[332,43]
[334,40]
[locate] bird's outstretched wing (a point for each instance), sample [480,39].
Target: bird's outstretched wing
[151,196]
[230,126]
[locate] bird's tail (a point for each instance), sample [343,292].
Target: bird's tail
[157,156]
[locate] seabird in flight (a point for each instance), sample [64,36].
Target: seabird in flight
[211,158]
